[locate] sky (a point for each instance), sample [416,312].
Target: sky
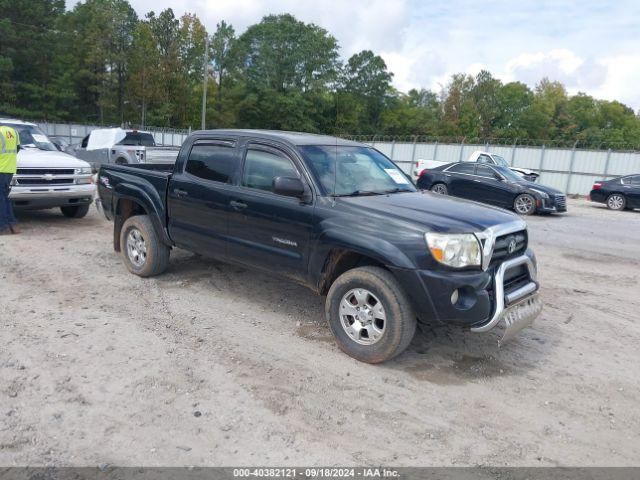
[590,46]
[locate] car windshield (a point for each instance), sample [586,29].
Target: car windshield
[138,139]
[32,136]
[500,161]
[353,171]
[509,174]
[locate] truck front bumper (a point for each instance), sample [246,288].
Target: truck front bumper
[50,197]
[479,300]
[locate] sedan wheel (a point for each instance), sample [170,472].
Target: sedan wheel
[440,188]
[525,204]
[616,201]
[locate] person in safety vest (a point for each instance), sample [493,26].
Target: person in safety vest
[9,146]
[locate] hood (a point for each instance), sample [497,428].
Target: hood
[532,187]
[437,213]
[36,158]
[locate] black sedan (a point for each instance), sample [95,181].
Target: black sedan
[494,185]
[619,194]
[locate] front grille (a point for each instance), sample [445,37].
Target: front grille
[44,181]
[46,171]
[561,202]
[505,242]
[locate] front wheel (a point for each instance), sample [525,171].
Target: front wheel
[524,204]
[616,201]
[143,252]
[440,188]
[76,211]
[369,314]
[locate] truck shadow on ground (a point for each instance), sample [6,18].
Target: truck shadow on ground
[439,354]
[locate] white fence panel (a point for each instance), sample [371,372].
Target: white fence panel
[569,170]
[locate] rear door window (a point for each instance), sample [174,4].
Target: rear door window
[485,159]
[467,168]
[212,161]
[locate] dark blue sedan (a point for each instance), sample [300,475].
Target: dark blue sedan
[494,185]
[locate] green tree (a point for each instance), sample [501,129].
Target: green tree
[287,67]
[367,80]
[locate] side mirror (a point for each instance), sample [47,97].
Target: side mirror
[289,187]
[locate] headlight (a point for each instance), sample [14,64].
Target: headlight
[83,171]
[540,192]
[455,250]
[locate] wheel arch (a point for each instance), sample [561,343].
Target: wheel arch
[341,251]
[130,201]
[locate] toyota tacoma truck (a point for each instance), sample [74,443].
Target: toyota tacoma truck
[46,177]
[338,217]
[116,145]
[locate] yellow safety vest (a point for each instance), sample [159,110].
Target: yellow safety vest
[9,141]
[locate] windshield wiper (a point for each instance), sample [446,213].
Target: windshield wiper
[396,190]
[358,193]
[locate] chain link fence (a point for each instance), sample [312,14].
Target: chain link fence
[565,165]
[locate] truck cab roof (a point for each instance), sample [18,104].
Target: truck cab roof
[293,138]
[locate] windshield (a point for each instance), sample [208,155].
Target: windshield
[499,160]
[138,139]
[509,174]
[32,136]
[353,171]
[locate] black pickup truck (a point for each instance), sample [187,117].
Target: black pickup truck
[336,216]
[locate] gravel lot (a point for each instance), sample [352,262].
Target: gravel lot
[211,364]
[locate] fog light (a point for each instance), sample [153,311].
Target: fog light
[454,297]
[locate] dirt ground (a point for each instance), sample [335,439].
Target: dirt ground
[211,364]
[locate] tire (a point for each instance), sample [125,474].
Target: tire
[439,188]
[524,204]
[616,201]
[142,251]
[396,330]
[121,161]
[77,211]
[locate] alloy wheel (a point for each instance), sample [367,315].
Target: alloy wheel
[362,316]
[136,247]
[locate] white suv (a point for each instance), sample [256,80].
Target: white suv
[46,177]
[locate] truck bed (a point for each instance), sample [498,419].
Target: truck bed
[146,181]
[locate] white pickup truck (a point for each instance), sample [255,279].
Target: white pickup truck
[479,157]
[46,177]
[122,147]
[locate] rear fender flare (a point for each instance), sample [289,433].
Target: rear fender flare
[149,203]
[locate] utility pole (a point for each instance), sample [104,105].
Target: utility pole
[204,81]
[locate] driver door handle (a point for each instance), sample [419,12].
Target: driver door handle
[238,205]
[180,193]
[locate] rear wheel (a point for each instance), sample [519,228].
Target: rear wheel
[143,252]
[440,188]
[524,204]
[76,211]
[616,201]
[370,315]
[121,161]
